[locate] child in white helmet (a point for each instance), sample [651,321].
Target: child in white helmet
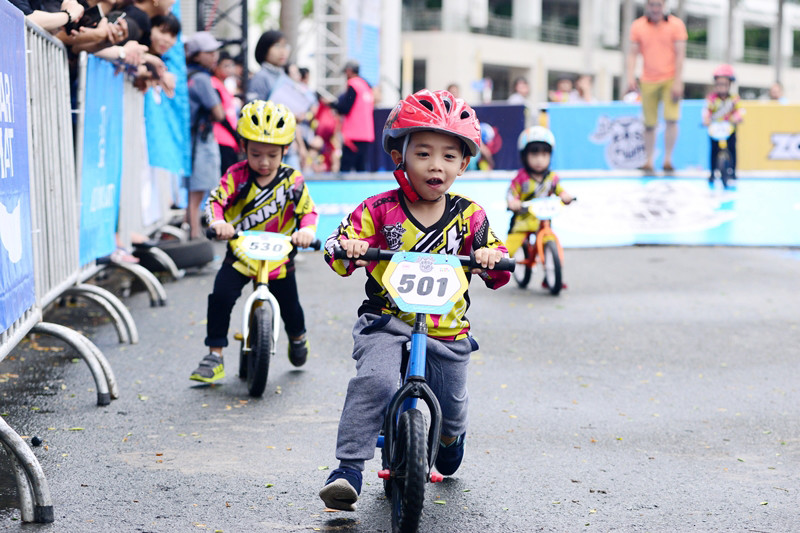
[534,180]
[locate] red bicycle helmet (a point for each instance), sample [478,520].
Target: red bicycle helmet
[437,111]
[724,71]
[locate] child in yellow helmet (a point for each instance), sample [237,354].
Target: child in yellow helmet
[261,193]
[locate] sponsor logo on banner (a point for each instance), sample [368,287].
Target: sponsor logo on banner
[624,140]
[17,291]
[785,146]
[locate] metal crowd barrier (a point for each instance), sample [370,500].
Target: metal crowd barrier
[54,225]
[53,184]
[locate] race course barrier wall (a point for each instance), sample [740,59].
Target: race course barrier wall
[621,211]
[610,136]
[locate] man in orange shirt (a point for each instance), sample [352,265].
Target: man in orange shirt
[661,39]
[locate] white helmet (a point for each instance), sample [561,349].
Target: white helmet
[536,134]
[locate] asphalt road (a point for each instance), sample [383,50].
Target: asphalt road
[658,393]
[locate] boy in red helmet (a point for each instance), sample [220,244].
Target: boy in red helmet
[723,105]
[430,137]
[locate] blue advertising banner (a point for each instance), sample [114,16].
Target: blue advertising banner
[504,121]
[167,119]
[17,289]
[622,211]
[611,136]
[363,37]
[102,160]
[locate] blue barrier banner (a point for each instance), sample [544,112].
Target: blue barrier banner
[611,136]
[102,160]
[621,211]
[17,289]
[167,119]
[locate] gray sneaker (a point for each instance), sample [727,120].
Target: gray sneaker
[210,369]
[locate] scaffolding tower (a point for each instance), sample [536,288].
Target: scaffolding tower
[331,51]
[227,20]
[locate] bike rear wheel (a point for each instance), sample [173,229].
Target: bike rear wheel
[409,472]
[260,350]
[552,268]
[522,274]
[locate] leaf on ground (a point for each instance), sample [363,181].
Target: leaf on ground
[76,429]
[269,485]
[143,398]
[318,468]
[440,502]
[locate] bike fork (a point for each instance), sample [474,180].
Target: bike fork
[260,296]
[414,388]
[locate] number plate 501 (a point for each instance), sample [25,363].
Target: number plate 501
[425,283]
[265,245]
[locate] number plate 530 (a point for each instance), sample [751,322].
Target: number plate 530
[265,245]
[425,283]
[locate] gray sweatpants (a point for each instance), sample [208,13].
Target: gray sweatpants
[377,349]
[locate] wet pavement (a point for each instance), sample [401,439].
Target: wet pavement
[657,393]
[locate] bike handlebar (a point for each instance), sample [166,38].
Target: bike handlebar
[378,254]
[211,234]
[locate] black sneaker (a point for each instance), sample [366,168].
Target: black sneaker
[449,457]
[298,351]
[342,489]
[209,370]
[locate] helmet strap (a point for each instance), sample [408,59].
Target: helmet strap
[402,178]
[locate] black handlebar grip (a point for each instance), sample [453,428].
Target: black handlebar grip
[505,264]
[316,244]
[211,233]
[372,254]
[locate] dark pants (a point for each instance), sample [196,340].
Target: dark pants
[355,160]
[731,150]
[228,287]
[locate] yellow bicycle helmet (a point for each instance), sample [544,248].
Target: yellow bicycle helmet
[266,122]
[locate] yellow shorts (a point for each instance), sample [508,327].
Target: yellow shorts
[652,94]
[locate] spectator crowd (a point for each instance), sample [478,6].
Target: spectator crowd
[334,134]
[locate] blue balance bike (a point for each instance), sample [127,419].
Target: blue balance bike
[424,284]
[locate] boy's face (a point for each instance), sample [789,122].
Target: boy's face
[538,160]
[433,161]
[722,84]
[264,158]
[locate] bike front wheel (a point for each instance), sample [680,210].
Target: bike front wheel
[522,274]
[724,166]
[409,472]
[552,268]
[260,350]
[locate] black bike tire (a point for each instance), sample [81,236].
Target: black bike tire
[723,164]
[243,361]
[410,469]
[522,274]
[260,348]
[551,256]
